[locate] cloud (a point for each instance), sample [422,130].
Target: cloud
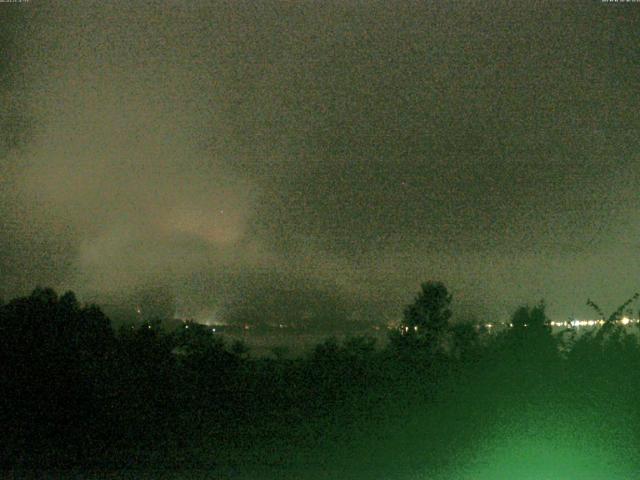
[327,155]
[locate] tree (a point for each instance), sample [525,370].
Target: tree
[530,338]
[465,340]
[429,313]
[611,330]
[44,296]
[426,320]
[68,303]
[617,314]
[532,320]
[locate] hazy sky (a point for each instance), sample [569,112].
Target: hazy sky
[321,159]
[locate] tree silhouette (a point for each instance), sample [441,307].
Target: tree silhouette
[53,356]
[617,313]
[430,310]
[529,341]
[465,340]
[610,327]
[426,320]
[534,320]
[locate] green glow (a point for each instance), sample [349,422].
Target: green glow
[547,449]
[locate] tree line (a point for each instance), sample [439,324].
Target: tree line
[77,392]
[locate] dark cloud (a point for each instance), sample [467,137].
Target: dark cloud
[327,154]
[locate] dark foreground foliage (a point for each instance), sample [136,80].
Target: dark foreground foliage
[76,394]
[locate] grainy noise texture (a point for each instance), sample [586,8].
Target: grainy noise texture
[321,158]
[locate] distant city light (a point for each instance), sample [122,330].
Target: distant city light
[575,323]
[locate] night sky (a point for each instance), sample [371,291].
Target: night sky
[320,159]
